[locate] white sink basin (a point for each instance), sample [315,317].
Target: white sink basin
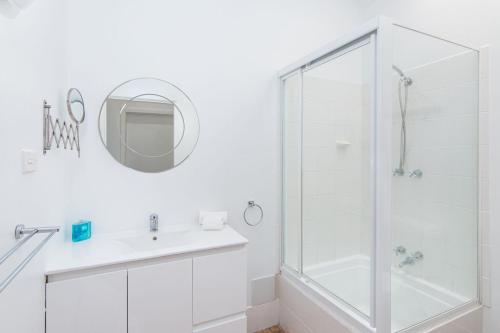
[132,245]
[158,240]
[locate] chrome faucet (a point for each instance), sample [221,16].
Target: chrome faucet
[153,222]
[412,259]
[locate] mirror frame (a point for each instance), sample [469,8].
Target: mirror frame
[195,144]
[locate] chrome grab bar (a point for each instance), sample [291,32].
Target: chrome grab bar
[19,232]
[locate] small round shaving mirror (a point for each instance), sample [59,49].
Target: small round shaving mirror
[76,106]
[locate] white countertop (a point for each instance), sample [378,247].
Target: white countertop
[109,249]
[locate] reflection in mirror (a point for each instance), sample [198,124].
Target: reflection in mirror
[148,125]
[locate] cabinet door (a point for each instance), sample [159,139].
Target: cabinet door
[96,303]
[160,298]
[219,285]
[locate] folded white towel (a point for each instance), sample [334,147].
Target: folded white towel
[213,220]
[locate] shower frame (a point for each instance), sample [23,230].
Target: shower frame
[379,32]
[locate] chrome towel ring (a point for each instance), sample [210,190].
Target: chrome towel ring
[252,204]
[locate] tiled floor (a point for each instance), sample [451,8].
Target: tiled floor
[274,329]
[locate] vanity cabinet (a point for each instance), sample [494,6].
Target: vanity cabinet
[204,292]
[95,303]
[219,285]
[160,298]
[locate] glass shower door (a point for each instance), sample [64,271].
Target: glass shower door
[435,177]
[337,173]
[292,164]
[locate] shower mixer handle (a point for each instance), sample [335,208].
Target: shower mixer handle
[416,173]
[400,250]
[412,259]
[418,256]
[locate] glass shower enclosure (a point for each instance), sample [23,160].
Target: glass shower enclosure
[380,175]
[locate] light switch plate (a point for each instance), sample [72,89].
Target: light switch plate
[30,160]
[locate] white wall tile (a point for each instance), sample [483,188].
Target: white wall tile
[436,214]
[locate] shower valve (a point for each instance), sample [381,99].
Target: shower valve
[400,250]
[412,259]
[416,173]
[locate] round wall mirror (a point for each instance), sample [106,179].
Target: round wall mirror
[76,106]
[149,125]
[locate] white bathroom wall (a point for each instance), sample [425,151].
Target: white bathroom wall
[225,55]
[33,68]
[473,23]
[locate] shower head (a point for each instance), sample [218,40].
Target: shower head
[407,80]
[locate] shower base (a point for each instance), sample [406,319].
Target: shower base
[413,300]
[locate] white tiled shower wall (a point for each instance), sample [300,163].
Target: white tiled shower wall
[336,206]
[437,213]
[335,211]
